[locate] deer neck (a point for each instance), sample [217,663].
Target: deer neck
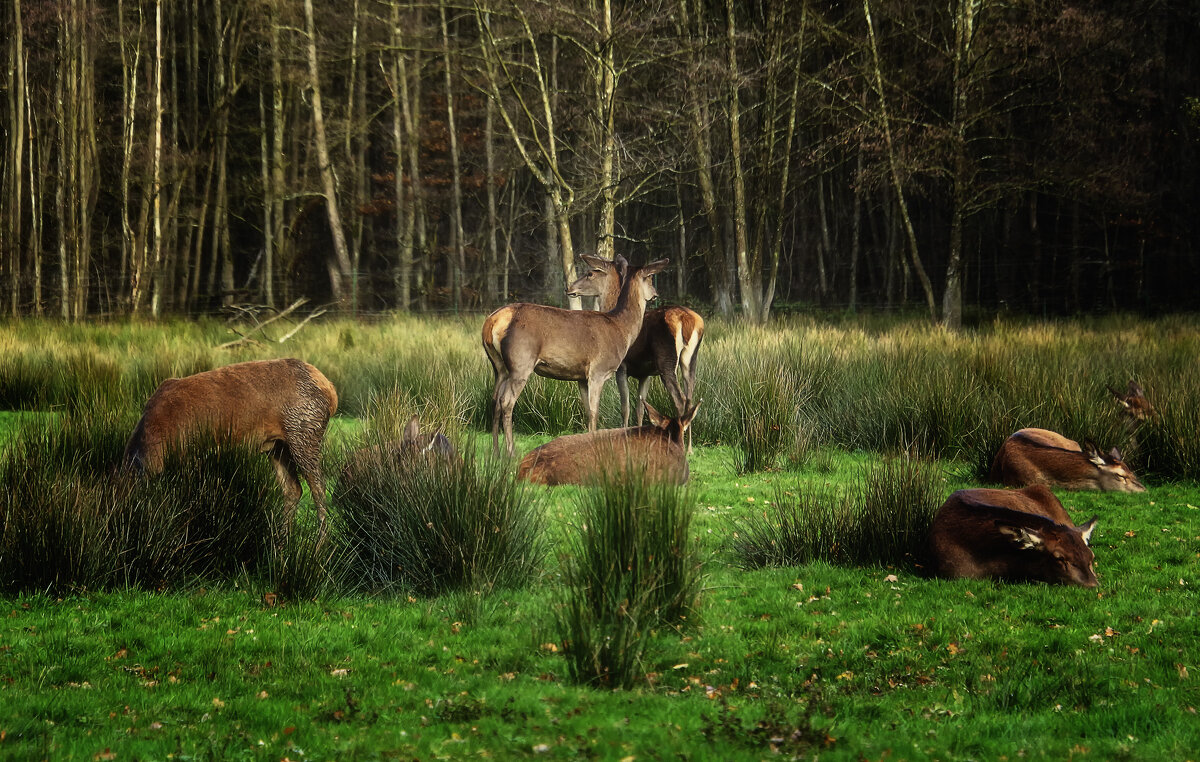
[629,310]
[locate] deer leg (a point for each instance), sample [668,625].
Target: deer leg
[594,387]
[506,401]
[643,390]
[289,482]
[497,394]
[623,388]
[305,449]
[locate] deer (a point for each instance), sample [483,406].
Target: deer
[656,450]
[281,407]
[669,340]
[1016,535]
[412,446]
[1136,411]
[569,345]
[1040,456]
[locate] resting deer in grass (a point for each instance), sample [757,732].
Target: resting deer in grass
[282,407]
[1038,456]
[656,450]
[411,446]
[1017,535]
[669,340]
[569,345]
[1136,410]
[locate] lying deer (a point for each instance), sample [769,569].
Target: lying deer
[411,446]
[282,407]
[669,340]
[1038,456]
[657,450]
[1016,535]
[569,345]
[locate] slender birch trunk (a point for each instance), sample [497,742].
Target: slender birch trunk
[459,264]
[340,268]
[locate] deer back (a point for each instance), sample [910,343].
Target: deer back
[259,403]
[1039,456]
[1016,535]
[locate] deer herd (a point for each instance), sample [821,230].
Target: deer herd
[282,408]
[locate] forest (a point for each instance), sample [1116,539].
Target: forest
[962,158]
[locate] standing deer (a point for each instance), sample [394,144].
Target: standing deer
[1038,456]
[669,340]
[569,345]
[655,450]
[282,407]
[1019,535]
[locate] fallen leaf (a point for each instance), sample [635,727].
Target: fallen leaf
[891,578]
[339,672]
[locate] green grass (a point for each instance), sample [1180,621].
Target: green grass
[841,662]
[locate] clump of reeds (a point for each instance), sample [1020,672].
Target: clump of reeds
[631,567]
[883,520]
[71,518]
[430,524]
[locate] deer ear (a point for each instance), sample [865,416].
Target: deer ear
[1115,455]
[1086,529]
[412,430]
[1093,453]
[686,419]
[656,418]
[622,265]
[656,267]
[1026,538]
[596,263]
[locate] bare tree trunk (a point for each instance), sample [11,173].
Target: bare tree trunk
[279,208]
[340,268]
[493,254]
[559,193]
[699,133]
[605,85]
[355,151]
[893,163]
[458,266]
[749,276]
[964,28]
[11,243]
[156,185]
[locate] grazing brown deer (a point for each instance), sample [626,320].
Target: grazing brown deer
[1038,456]
[282,407]
[656,450]
[411,446]
[1016,535]
[569,345]
[669,340]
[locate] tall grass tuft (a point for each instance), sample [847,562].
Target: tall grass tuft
[762,408]
[432,525]
[70,519]
[882,520]
[631,567]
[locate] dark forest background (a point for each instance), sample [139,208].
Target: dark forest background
[183,156]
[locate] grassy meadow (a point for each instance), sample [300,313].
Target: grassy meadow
[777,606]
